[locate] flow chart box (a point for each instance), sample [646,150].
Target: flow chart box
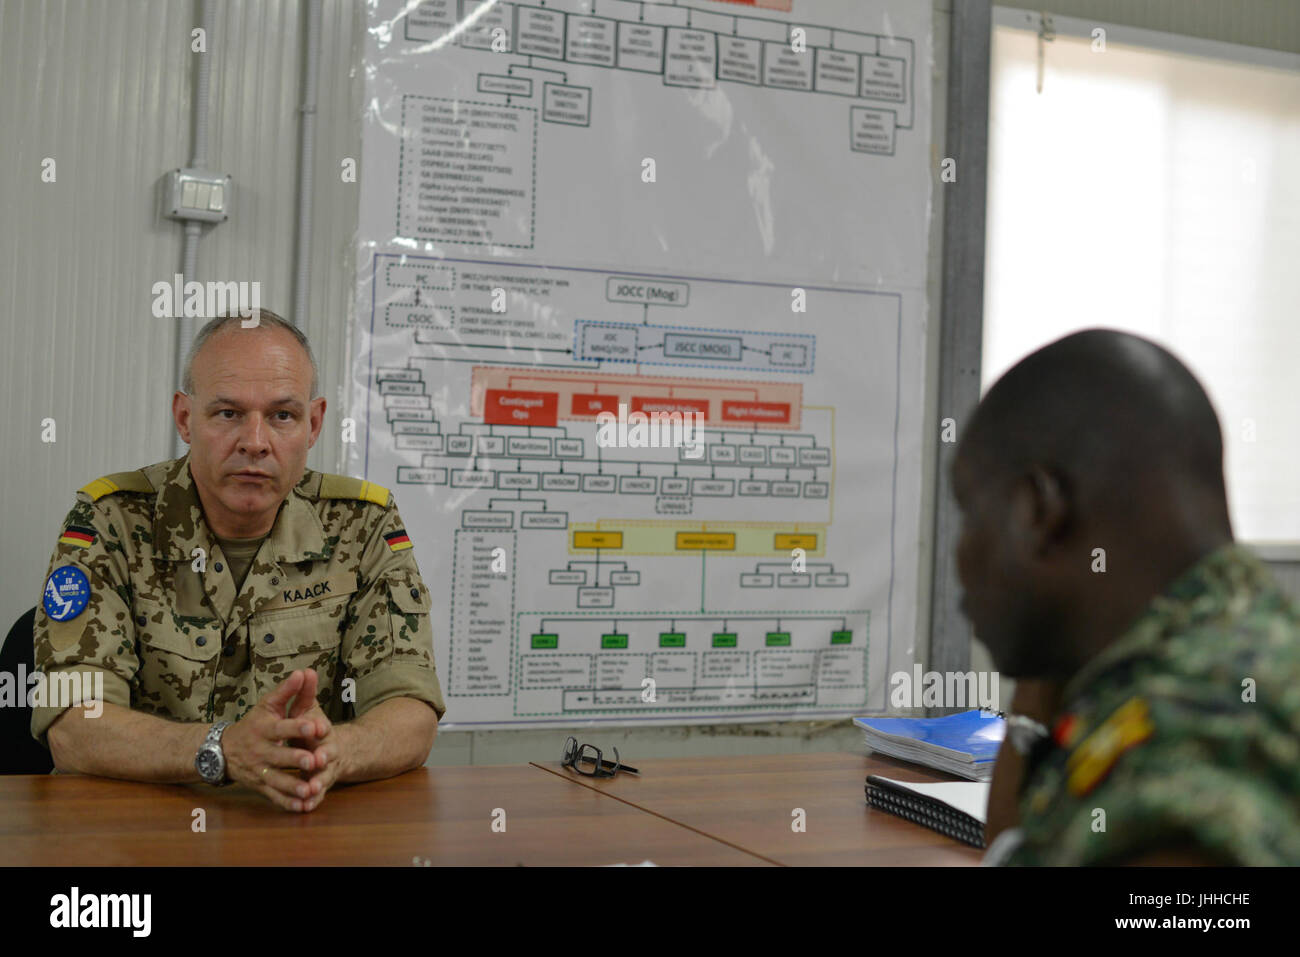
[591,40]
[597,539]
[546,519]
[647,293]
[872,131]
[785,69]
[593,597]
[740,59]
[505,85]
[482,518]
[640,47]
[884,78]
[430,20]
[835,71]
[694,346]
[560,481]
[519,407]
[489,25]
[562,103]
[541,32]
[691,59]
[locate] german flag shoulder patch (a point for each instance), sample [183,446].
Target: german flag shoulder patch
[345,486]
[134,481]
[78,536]
[398,540]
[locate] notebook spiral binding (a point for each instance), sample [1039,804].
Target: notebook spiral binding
[932,814]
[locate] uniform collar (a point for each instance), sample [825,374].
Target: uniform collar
[179,526]
[1225,580]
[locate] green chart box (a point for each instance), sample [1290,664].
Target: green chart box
[778,639]
[841,637]
[724,640]
[672,639]
[613,641]
[546,641]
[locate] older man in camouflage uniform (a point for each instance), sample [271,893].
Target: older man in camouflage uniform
[237,586]
[1157,712]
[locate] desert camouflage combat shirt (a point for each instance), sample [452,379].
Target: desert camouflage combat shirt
[1184,733]
[139,591]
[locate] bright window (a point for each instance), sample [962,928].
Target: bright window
[1155,187]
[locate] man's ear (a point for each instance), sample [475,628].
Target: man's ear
[1052,504]
[181,415]
[317,418]
[1040,512]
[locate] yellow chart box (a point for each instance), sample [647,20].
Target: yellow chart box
[597,539]
[706,541]
[787,542]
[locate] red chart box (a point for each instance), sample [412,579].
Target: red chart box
[669,405]
[590,404]
[514,407]
[742,411]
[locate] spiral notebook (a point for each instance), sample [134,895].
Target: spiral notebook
[955,808]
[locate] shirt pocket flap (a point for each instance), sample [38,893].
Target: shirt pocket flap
[298,630]
[197,639]
[411,596]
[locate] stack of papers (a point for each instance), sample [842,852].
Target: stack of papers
[963,744]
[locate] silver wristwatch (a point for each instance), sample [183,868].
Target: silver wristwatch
[211,760]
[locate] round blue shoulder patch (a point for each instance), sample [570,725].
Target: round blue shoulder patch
[66,593]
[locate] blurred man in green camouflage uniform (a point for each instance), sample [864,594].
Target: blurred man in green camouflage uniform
[1157,712]
[237,587]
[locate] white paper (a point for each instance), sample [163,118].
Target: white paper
[771,271]
[969,797]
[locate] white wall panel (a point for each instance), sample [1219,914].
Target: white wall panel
[105,90]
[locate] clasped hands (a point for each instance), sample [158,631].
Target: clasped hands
[286,731]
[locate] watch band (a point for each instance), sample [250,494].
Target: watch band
[212,741]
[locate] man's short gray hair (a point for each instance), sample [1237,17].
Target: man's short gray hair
[266,318]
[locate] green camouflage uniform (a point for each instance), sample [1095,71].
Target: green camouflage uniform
[334,587]
[1157,735]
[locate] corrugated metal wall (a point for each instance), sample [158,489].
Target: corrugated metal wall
[104,89]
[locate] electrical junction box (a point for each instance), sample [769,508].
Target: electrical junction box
[197,194]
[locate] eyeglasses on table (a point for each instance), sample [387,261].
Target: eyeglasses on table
[590,760]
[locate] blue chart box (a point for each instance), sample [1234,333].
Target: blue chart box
[694,346]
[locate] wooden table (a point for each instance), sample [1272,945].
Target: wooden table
[749,803]
[442,815]
[696,811]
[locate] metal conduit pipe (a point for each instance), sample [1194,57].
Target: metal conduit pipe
[307,132]
[193,231]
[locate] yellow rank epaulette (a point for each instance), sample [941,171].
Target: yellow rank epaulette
[134,481]
[344,486]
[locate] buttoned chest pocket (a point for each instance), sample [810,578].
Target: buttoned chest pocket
[178,662]
[288,639]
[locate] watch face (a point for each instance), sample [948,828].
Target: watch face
[207,764]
